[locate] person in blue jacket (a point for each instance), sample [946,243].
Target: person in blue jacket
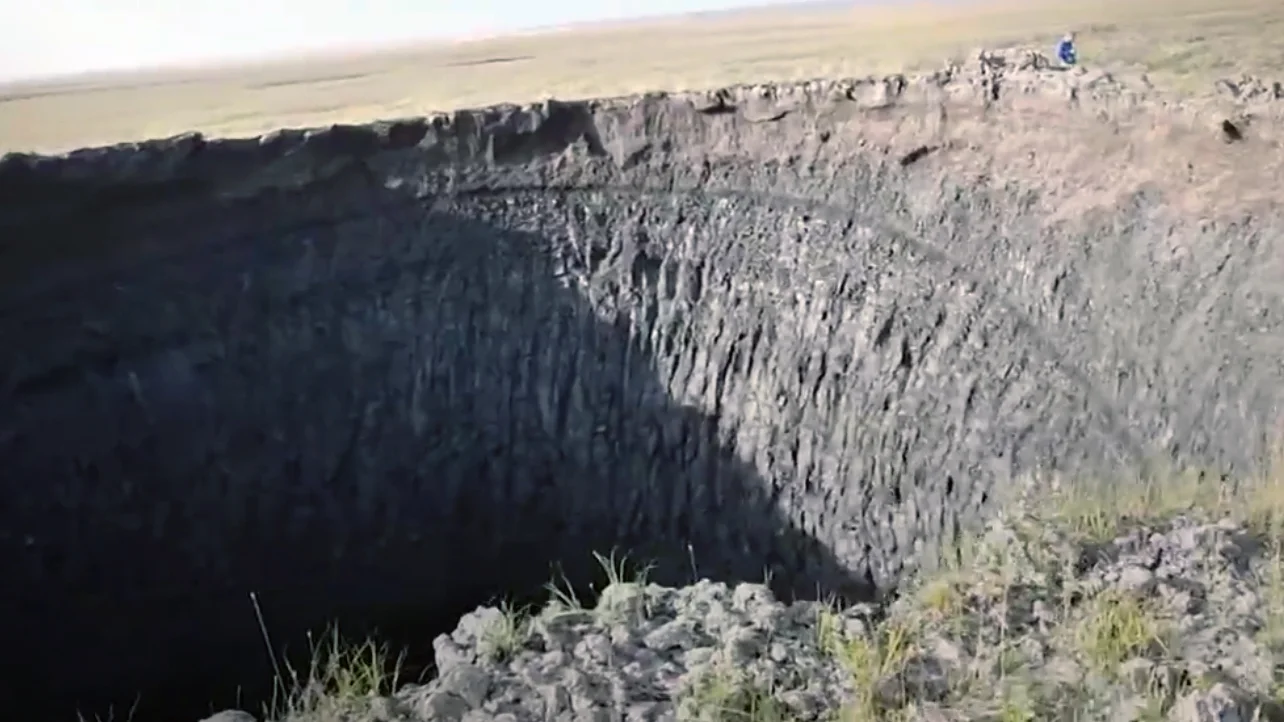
[1065,50]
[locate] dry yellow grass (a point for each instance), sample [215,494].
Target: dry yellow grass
[1183,43]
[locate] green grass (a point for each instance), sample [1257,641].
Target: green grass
[727,694]
[342,678]
[1118,628]
[505,637]
[871,661]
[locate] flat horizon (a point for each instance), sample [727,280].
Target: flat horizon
[1187,46]
[51,49]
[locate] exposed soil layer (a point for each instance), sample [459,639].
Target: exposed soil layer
[805,330]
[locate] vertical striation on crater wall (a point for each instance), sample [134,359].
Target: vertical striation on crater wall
[365,372]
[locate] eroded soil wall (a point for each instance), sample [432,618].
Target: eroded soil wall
[395,371]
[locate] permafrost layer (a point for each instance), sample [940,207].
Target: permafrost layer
[388,372]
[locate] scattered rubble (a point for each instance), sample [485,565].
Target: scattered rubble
[1177,619]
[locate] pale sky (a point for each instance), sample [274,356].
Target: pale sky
[55,37]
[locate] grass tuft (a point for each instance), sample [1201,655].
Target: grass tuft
[1119,627]
[508,634]
[340,678]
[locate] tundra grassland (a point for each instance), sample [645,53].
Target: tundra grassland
[1183,45]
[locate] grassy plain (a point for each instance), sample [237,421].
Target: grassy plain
[1183,44]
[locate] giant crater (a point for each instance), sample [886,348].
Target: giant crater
[384,374]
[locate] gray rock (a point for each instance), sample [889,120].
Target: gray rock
[1135,578]
[623,600]
[933,713]
[230,715]
[675,634]
[1221,703]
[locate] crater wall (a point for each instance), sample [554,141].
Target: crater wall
[390,372]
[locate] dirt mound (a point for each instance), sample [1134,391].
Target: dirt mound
[385,373]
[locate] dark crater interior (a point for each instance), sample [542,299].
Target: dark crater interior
[360,406]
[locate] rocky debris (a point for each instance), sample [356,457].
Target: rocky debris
[1250,87]
[1034,619]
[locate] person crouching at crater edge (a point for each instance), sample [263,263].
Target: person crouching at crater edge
[1065,50]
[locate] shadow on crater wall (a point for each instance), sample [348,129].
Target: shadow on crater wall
[355,403]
